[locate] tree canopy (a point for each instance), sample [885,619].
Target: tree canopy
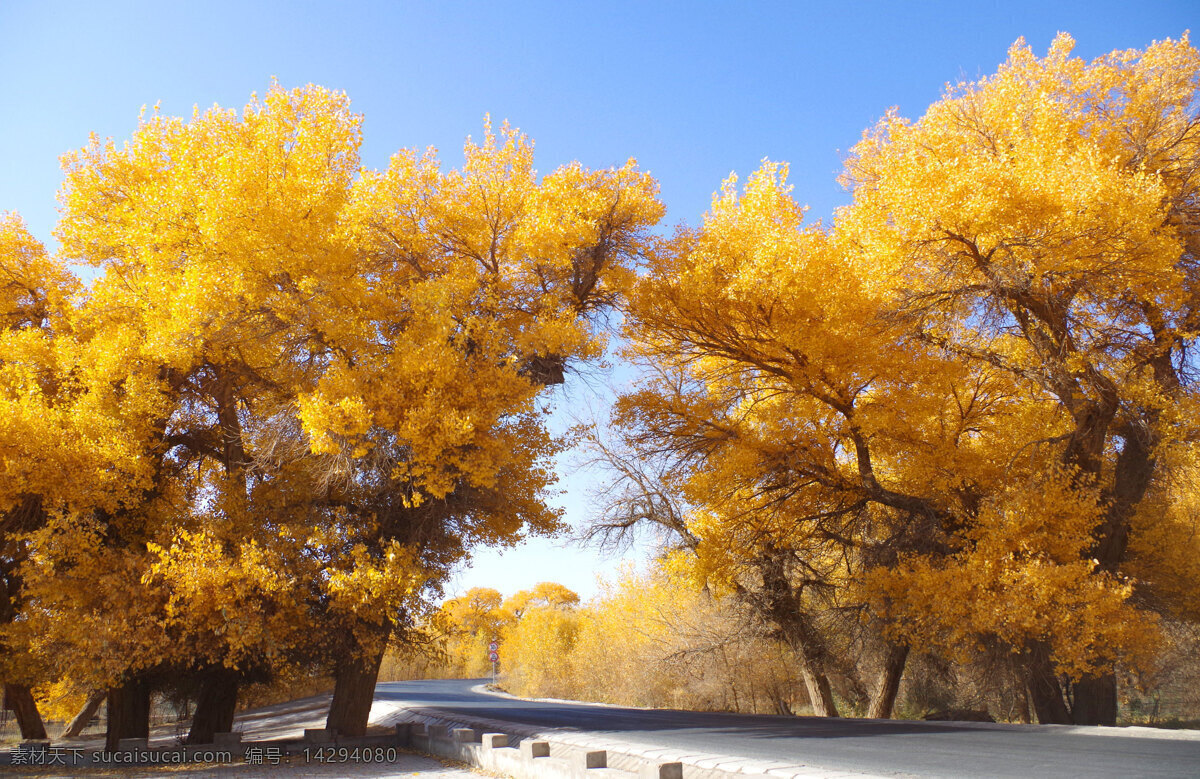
[967,403]
[959,420]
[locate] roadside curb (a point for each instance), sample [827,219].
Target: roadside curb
[525,752]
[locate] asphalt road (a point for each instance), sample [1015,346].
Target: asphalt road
[871,746]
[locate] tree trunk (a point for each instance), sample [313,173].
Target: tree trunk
[801,636]
[780,603]
[20,700]
[354,689]
[1095,700]
[889,682]
[81,720]
[128,712]
[215,706]
[1024,715]
[1044,690]
[820,694]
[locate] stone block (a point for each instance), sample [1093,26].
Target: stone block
[495,740]
[661,771]
[593,758]
[318,735]
[531,748]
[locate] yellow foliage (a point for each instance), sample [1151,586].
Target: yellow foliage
[537,650]
[298,392]
[953,402]
[648,639]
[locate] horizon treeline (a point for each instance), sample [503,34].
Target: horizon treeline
[957,422]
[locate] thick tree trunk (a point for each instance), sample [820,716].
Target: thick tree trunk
[780,603]
[215,706]
[20,700]
[1095,700]
[81,720]
[1045,692]
[354,689]
[128,712]
[889,682]
[820,694]
[1095,697]
[800,634]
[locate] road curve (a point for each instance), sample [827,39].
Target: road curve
[889,747]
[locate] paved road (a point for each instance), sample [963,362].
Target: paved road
[870,746]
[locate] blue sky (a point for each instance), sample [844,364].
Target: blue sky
[693,90]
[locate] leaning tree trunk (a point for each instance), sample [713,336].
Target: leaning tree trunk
[81,720]
[820,694]
[800,634]
[20,700]
[889,682]
[1045,692]
[216,704]
[354,686]
[782,605]
[128,712]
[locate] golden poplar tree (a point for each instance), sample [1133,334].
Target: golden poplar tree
[331,381]
[1041,223]
[971,392]
[786,399]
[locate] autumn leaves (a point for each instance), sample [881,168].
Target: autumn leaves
[295,397]
[298,393]
[959,410]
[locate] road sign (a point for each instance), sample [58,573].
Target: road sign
[494,657]
[492,647]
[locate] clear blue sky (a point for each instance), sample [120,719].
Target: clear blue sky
[693,90]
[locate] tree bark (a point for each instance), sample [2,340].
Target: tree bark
[216,705]
[1024,715]
[128,712]
[354,689]
[81,720]
[820,694]
[29,719]
[1044,690]
[1095,697]
[889,682]
[800,634]
[780,603]
[1095,700]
